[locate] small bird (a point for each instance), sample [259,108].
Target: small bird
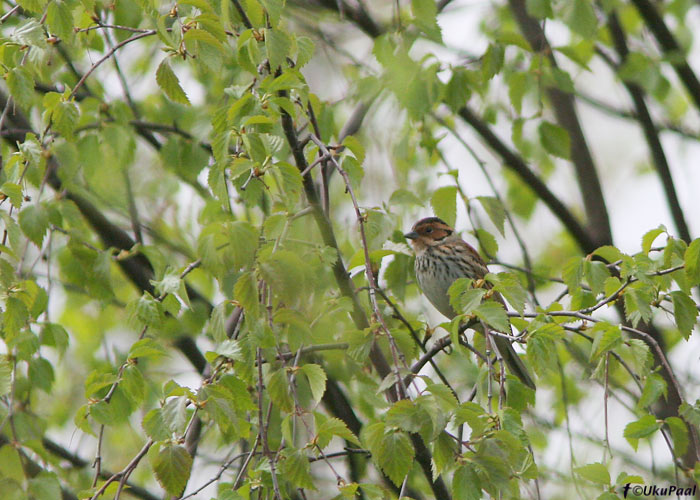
[441,258]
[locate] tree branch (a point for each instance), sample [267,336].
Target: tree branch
[564,108]
[670,47]
[650,132]
[518,165]
[346,288]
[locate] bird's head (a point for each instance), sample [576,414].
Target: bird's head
[429,232]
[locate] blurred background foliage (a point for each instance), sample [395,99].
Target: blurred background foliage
[206,291]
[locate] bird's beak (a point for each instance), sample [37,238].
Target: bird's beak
[411,236]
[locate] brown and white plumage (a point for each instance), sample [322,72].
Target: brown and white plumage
[441,258]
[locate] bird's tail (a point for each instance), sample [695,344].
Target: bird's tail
[513,361]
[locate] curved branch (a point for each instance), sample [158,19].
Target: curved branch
[564,108]
[650,132]
[346,288]
[107,56]
[518,165]
[670,46]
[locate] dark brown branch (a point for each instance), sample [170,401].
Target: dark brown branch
[346,288]
[662,126]
[518,165]
[241,12]
[670,47]
[77,461]
[650,132]
[564,108]
[357,14]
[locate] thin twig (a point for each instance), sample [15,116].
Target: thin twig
[109,53]
[368,265]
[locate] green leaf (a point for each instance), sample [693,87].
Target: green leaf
[542,348]
[64,118]
[29,32]
[555,140]
[60,19]
[466,484]
[284,271]
[494,209]
[509,286]
[278,45]
[295,467]
[517,86]
[494,315]
[463,297]
[685,312]
[34,221]
[21,86]
[54,335]
[204,45]
[458,89]
[644,427]
[595,273]
[243,241]
[96,381]
[654,387]
[230,349]
[355,146]
[41,374]
[133,384]
[245,291]
[572,273]
[606,338]
[391,449]
[487,243]
[595,472]
[474,416]
[640,355]
[637,300]
[291,182]
[147,348]
[425,19]
[317,380]
[539,8]
[45,486]
[692,262]
[5,375]
[492,61]
[650,236]
[11,463]
[15,317]
[32,5]
[444,203]
[407,416]
[278,389]
[334,427]
[112,413]
[305,50]
[679,433]
[579,15]
[172,467]
[174,413]
[609,253]
[444,452]
[14,193]
[145,310]
[691,414]
[169,83]
[154,425]
[519,396]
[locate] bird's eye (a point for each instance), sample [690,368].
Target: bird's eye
[429,230]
